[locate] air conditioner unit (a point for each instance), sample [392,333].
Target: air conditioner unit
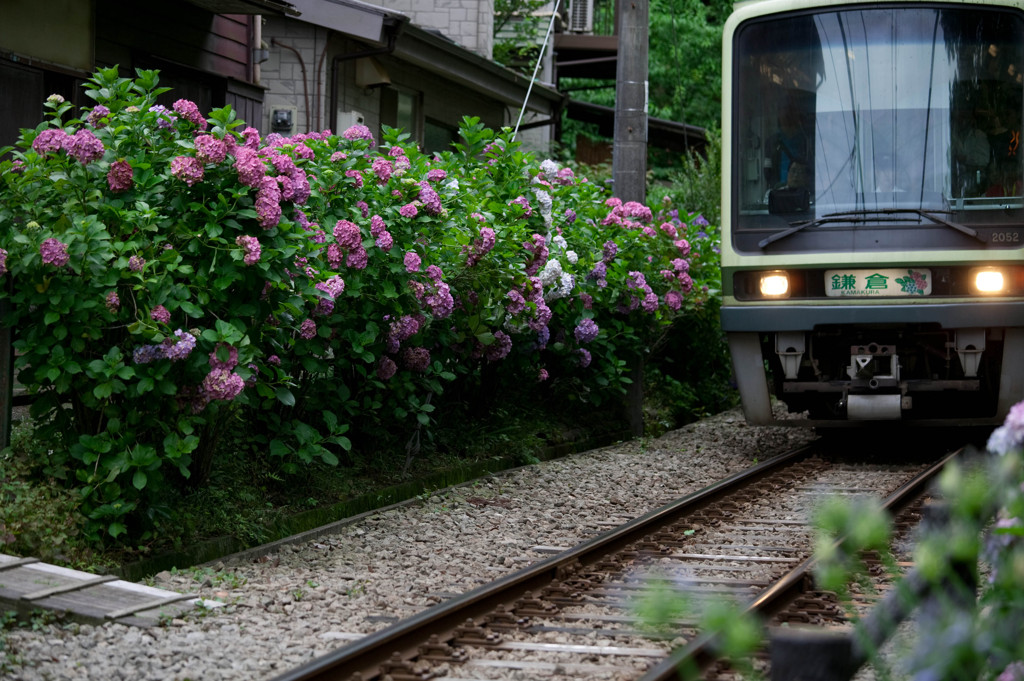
[581,16]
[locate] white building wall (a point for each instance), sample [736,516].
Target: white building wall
[295,73]
[470,23]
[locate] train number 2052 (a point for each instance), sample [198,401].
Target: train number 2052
[1006,237]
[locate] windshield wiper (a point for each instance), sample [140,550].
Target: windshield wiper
[881,215]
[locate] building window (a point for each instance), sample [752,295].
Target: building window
[402,108]
[438,137]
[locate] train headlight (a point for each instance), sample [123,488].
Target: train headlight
[989,280]
[775,285]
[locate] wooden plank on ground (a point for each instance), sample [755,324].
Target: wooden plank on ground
[27,584]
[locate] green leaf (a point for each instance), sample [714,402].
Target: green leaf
[103,390]
[50,317]
[285,396]
[139,479]
[116,529]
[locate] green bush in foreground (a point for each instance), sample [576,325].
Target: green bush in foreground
[171,273]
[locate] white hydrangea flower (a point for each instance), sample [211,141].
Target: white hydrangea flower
[572,257]
[551,272]
[549,167]
[559,241]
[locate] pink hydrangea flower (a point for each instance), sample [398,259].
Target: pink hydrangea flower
[54,253]
[222,385]
[249,166]
[409,210]
[3,261]
[187,169]
[268,206]
[209,149]
[307,329]
[160,314]
[412,262]
[190,112]
[251,245]
[119,177]
[354,174]
[358,132]
[382,168]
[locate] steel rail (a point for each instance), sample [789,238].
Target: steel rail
[364,657]
[700,650]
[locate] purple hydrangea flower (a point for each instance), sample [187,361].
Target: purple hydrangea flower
[136,263]
[409,210]
[49,141]
[584,357]
[500,348]
[429,199]
[586,331]
[54,253]
[84,146]
[147,353]
[416,359]
[164,118]
[386,369]
[112,302]
[96,116]
[1010,435]
[674,300]
[177,350]
[3,261]
[308,329]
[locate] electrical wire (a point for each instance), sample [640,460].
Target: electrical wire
[543,48]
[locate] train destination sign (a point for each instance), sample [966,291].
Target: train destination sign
[881,282]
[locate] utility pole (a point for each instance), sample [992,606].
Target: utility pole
[629,153]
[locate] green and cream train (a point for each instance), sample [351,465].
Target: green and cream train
[873,209]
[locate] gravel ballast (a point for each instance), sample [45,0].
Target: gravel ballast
[306,599]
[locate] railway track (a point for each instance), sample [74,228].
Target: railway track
[747,537]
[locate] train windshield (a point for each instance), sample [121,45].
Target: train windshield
[877,111]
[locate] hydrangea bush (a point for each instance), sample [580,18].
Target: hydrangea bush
[168,272]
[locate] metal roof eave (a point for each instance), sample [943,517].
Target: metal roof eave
[437,54]
[247,6]
[353,18]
